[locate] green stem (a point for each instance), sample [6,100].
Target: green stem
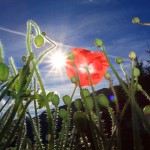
[4,93]
[29,48]
[144,24]
[12,64]
[96,105]
[21,133]
[86,109]
[124,109]
[28,38]
[68,122]
[136,137]
[116,74]
[46,51]
[39,58]
[10,121]
[36,132]
[115,124]
[145,94]
[118,132]
[116,99]
[72,138]
[35,108]
[1,52]
[61,136]
[55,117]
[110,143]
[5,104]
[50,125]
[85,141]
[125,74]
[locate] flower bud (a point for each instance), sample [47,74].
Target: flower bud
[4,72]
[63,113]
[132,55]
[67,100]
[107,76]
[136,72]
[138,86]
[74,79]
[86,92]
[89,102]
[24,58]
[80,121]
[119,60]
[39,41]
[55,100]
[78,104]
[103,100]
[136,20]
[98,42]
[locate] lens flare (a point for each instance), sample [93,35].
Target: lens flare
[58,60]
[112,97]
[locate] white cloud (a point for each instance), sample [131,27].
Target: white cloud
[12,31]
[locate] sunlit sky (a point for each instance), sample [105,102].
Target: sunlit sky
[75,23]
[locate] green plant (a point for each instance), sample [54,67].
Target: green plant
[82,127]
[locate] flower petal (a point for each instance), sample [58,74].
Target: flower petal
[96,62]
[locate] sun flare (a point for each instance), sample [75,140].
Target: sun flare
[58,60]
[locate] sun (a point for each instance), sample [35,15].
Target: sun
[57,60]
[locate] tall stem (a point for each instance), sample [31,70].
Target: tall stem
[68,123]
[116,74]
[95,101]
[136,137]
[50,125]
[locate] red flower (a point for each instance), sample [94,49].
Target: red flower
[95,62]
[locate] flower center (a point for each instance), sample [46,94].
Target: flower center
[83,68]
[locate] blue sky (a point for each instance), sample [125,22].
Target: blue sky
[75,23]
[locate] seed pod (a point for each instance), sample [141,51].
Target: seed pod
[138,86]
[89,102]
[132,55]
[86,92]
[4,72]
[119,60]
[24,58]
[74,79]
[103,100]
[39,41]
[55,100]
[63,113]
[80,121]
[136,20]
[98,42]
[78,104]
[107,76]
[67,100]
[136,72]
